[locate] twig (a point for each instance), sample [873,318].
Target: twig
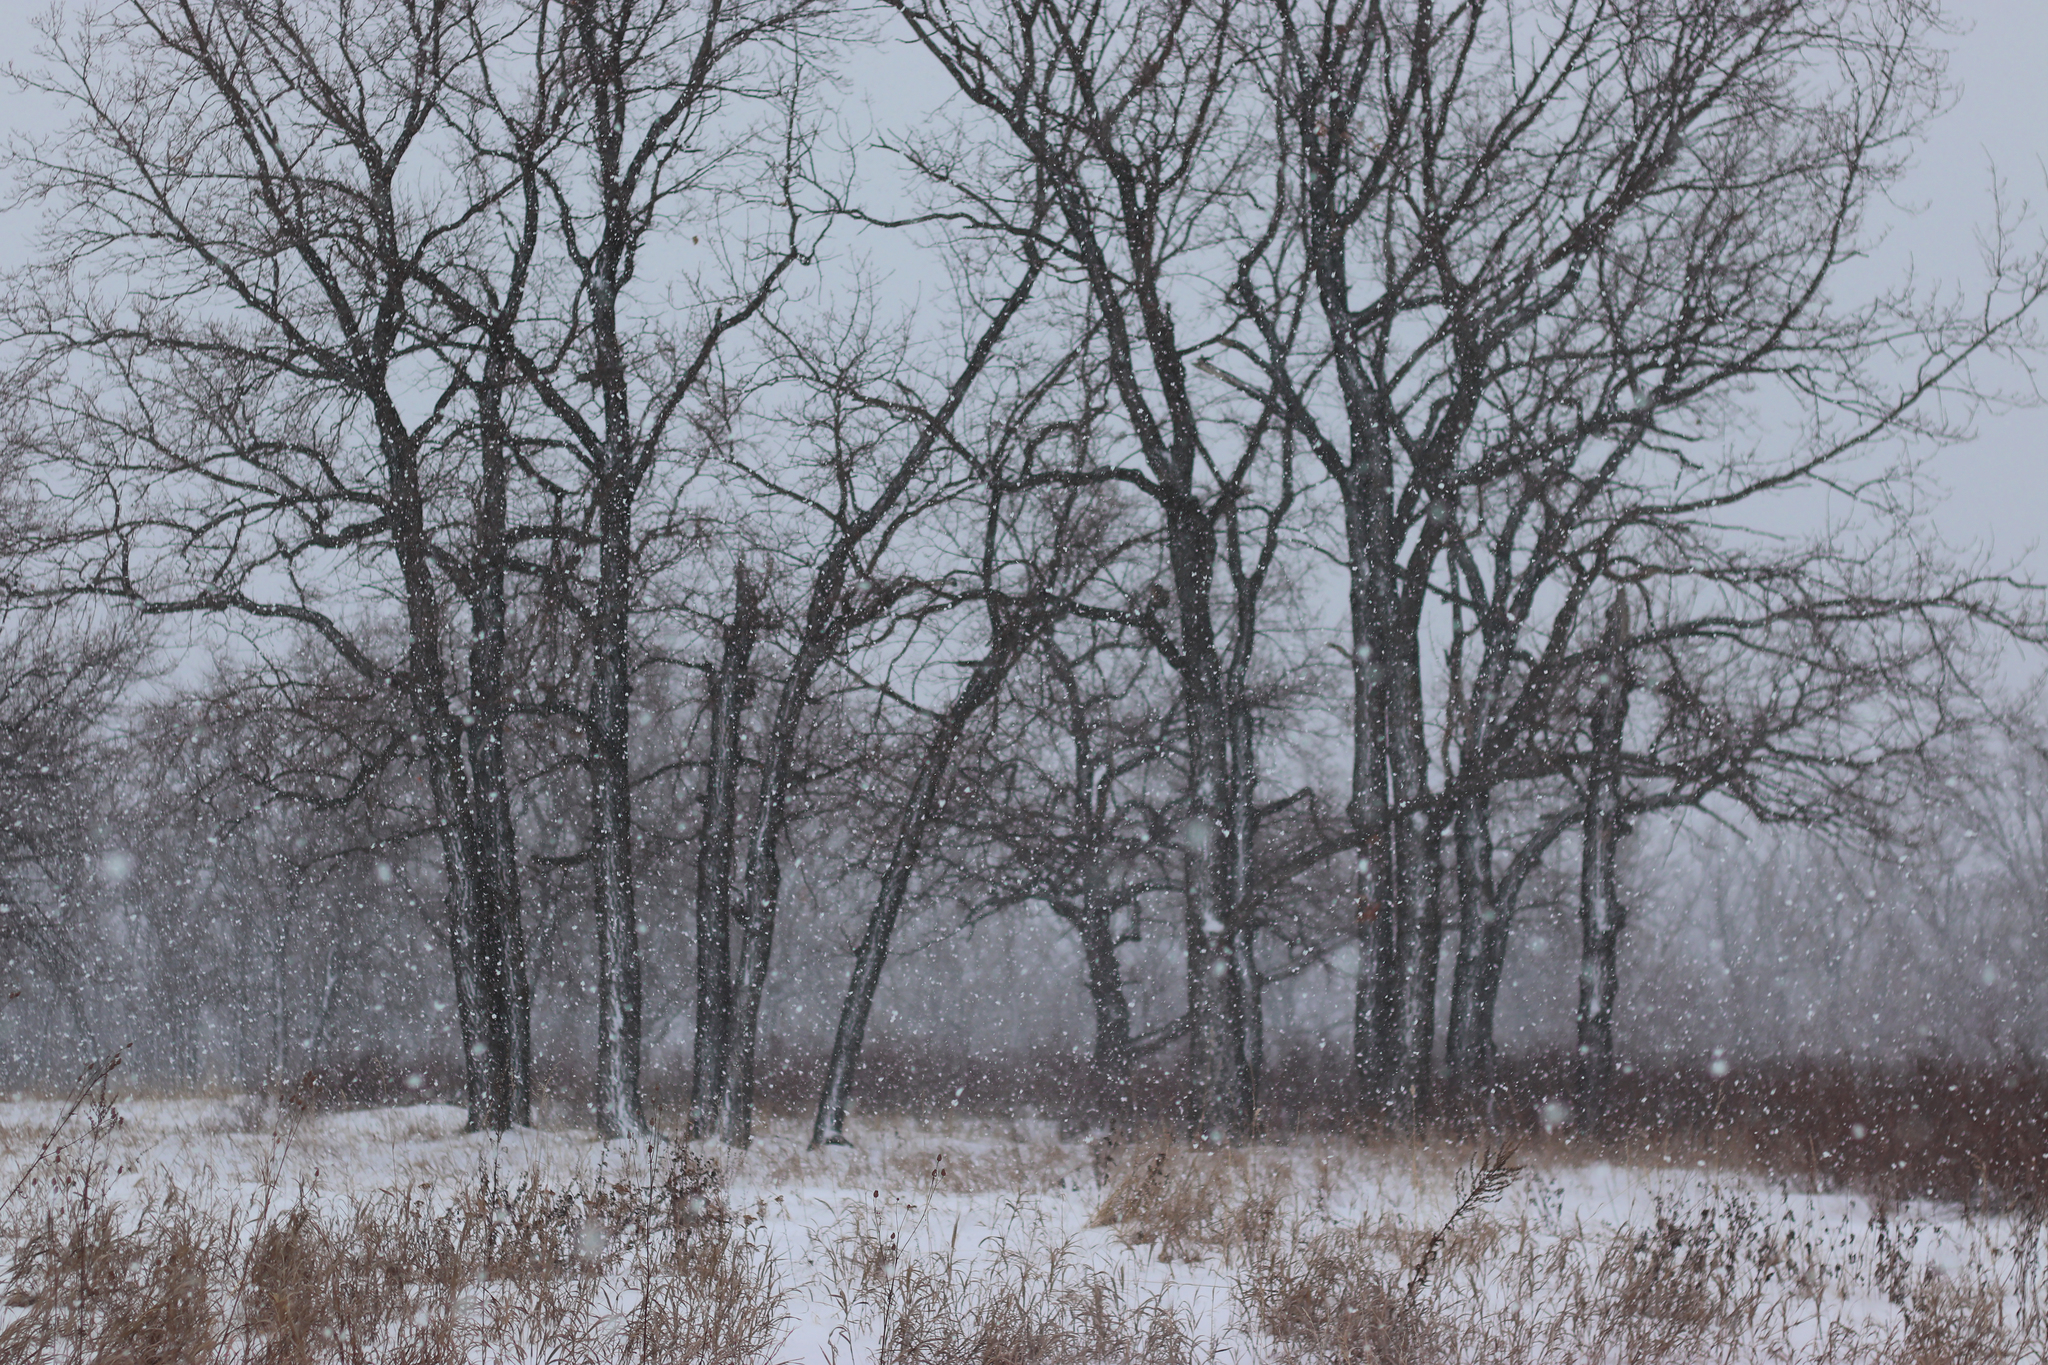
[1490,1180]
[92,1078]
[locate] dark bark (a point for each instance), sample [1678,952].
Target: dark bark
[1108,1100]
[831,612]
[1092,845]
[647,90]
[1218,1106]
[1065,83]
[509,1044]
[731,688]
[617,1101]
[927,788]
[761,897]
[322,308]
[1373,1056]
[1493,956]
[1467,1051]
[1601,912]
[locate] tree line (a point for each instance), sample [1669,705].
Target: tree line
[556,414]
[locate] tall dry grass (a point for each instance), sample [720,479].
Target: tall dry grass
[948,1247]
[648,1266]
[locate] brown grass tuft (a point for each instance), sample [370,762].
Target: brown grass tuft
[522,1270]
[1185,1202]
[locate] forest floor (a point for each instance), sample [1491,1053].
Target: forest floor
[242,1230]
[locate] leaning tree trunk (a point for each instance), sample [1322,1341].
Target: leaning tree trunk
[927,788]
[731,688]
[1601,913]
[826,621]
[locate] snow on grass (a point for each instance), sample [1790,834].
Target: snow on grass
[390,1234]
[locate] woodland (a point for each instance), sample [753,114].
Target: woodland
[1240,564]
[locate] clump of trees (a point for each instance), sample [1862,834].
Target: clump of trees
[498,387]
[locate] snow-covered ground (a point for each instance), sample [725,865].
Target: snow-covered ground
[980,1241]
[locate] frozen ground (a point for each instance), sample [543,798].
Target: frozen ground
[390,1235]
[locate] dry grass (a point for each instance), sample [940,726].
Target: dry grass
[1184,1202]
[647,1266]
[940,1245]
[1030,1303]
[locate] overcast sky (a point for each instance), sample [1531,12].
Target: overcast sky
[1997,487]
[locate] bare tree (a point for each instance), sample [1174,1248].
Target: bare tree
[274,425]
[1124,121]
[881,461]
[1543,260]
[731,689]
[62,681]
[1601,911]
[648,88]
[1079,803]
[1039,556]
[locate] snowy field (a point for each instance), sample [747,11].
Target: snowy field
[229,1230]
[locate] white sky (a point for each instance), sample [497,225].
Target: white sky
[1997,486]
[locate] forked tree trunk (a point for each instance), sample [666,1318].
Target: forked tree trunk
[731,688]
[1477,1047]
[484,1012]
[827,618]
[1601,914]
[1107,1099]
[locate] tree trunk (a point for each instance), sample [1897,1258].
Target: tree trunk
[759,900]
[1374,1039]
[1109,1091]
[927,787]
[1218,1094]
[1466,1059]
[826,621]
[1247,991]
[497,874]
[1482,930]
[1601,913]
[617,1101]
[476,930]
[1491,960]
[731,687]
[1108,1096]
[1418,864]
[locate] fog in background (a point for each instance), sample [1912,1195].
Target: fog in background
[226,941]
